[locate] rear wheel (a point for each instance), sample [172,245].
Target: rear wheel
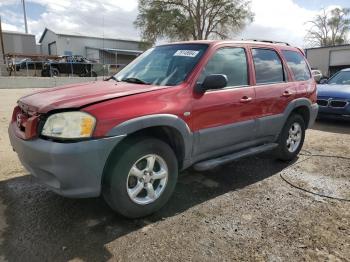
[54,72]
[291,139]
[141,177]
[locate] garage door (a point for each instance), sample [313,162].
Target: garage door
[340,57]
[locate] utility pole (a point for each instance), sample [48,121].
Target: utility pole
[2,42]
[25,16]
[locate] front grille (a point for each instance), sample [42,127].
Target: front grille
[322,102]
[338,103]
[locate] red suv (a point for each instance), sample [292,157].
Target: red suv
[200,103]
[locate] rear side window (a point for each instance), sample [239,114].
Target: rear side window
[268,66]
[231,62]
[296,62]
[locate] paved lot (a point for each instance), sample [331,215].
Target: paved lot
[242,211]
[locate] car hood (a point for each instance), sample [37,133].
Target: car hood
[79,95]
[334,91]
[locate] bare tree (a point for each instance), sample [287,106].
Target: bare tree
[191,19]
[329,28]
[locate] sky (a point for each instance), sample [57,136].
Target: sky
[282,20]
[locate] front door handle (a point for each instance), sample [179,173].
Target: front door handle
[246,99]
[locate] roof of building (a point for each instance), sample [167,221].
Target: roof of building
[85,36]
[16,33]
[120,51]
[331,46]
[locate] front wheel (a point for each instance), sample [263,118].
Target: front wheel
[140,178]
[291,139]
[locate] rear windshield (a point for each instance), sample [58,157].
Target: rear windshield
[164,65]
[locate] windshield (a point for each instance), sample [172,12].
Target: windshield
[342,78]
[163,65]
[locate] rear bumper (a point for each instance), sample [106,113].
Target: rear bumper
[69,169]
[313,114]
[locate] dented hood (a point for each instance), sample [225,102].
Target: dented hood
[79,95]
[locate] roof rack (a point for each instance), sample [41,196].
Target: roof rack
[267,41]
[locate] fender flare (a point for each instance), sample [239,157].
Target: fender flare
[301,102]
[297,103]
[167,120]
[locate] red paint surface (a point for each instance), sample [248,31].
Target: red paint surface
[113,104]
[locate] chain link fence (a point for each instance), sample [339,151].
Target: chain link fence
[18,66]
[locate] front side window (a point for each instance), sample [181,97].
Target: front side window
[163,65]
[231,62]
[297,64]
[268,66]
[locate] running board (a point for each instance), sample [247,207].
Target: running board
[212,163]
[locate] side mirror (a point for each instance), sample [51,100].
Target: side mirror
[215,81]
[323,81]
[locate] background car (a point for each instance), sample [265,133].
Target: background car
[23,64]
[333,96]
[74,65]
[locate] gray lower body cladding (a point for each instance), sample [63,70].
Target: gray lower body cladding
[69,169]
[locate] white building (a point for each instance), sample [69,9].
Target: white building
[329,59]
[102,50]
[17,42]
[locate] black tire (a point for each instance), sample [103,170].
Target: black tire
[54,72]
[116,176]
[45,73]
[282,152]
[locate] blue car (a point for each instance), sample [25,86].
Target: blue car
[333,96]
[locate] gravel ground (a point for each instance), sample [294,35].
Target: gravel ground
[242,211]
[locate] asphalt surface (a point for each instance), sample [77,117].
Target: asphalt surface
[241,211]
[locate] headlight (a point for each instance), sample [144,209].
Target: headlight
[69,125]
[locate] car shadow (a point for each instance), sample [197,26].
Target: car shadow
[43,226]
[332,125]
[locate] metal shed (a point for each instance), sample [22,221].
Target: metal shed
[329,59]
[17,42]
[100,49]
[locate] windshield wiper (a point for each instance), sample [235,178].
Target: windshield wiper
[135,81]
[111,77]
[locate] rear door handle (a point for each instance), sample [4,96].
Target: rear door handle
[246,99]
